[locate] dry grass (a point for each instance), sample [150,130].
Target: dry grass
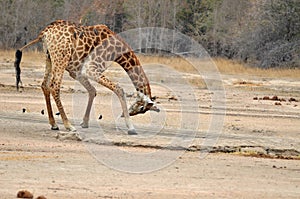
[176,63]
[225,66]
[30,59]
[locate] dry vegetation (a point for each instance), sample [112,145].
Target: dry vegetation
[225,66]
[264,33]
[30,59]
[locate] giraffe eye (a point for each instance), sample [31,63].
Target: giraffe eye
[141,108]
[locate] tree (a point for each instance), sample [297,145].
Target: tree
[274,39]
[260,32]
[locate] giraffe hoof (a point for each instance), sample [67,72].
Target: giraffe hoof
[84,125]
[132,132]
[54,128]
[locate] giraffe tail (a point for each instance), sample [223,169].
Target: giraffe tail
[18,58]
[17,68]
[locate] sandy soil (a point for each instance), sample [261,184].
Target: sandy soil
[254,154]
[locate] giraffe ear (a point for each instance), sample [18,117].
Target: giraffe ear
[153,98]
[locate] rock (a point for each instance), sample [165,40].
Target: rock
[24,194]
[69,136]
[254,150]
[266,98]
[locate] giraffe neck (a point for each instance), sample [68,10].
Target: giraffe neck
[112,48]
[132,66]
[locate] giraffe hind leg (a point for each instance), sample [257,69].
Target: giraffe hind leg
[46,91]
[55,83]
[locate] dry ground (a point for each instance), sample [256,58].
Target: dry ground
[254,154]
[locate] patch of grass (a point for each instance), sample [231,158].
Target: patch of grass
[233,67]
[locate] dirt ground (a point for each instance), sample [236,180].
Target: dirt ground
[252,151]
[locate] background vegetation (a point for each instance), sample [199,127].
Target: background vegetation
[263,33]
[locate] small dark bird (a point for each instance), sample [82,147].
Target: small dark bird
[58,113]
[42,112]
[100,117]
[24,110]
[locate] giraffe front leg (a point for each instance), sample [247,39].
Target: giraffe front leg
[121,95]
[92,94]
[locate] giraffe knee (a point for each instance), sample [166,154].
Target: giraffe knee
[44,86]
[93,92]
[119,91]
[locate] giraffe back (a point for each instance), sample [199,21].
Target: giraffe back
[69,44]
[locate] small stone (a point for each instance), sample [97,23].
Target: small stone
[173,98]
[293,100]
[275,98]
[41,197]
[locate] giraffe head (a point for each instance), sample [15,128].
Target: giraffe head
[142,105]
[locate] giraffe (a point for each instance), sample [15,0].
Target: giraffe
[84,51]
